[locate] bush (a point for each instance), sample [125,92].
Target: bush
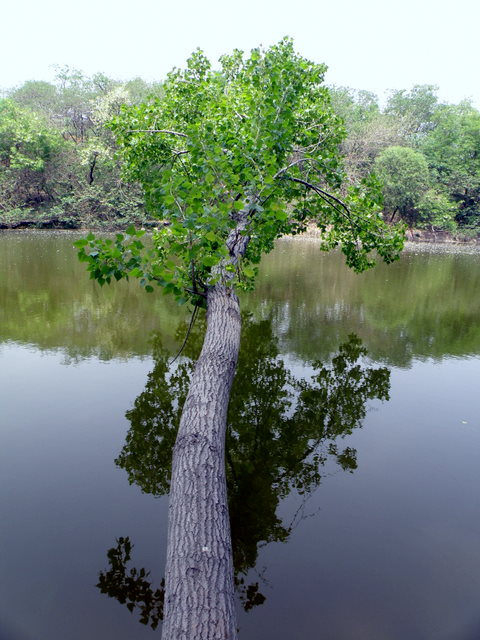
[436,210]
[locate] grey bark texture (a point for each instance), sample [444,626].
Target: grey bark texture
[199,588]
[199,591]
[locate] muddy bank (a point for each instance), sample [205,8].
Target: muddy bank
[436,237]
[416,236]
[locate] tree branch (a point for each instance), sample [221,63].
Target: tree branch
[92,168]
[292,164]
[324,195]
[172,133]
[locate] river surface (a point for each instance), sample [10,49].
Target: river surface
[353,447]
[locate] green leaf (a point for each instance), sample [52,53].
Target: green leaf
[249,272]
[209,261]
[82,256]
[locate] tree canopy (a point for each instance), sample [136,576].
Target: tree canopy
[453,153]
[252,147]
[404,175]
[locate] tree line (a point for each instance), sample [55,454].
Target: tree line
[57,157]
[425,153]
[59,166]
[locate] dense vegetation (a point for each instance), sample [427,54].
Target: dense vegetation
[426,155]
[57,157]
[59,167]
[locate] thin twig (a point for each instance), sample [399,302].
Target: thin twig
[192,320]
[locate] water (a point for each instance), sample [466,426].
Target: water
[353,517]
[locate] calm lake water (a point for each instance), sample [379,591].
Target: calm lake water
[354,476]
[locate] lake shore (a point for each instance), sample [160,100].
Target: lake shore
[415,236]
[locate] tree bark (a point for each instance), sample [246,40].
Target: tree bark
[199,591]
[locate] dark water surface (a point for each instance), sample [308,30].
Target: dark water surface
[354,516]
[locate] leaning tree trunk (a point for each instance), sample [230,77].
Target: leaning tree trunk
[199,591]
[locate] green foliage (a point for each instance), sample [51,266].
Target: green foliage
[405,178]
[243,154]
[354,107]
[415,110]
[26,142]
[447,136]
[27,148]
[369,131]
[453,153]
[436,210]
[38,96]
[60,169]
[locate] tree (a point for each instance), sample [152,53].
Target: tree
[38,95]
[229,160]
[369,131]
[79,183]
[405,178]
[27,147]
[414,110]
[437,211]
[26,141]
[452,150]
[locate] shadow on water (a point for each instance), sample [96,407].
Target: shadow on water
[282,432]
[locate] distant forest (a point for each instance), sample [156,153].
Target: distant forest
[59,169]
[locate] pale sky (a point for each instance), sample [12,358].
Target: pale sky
[367,44]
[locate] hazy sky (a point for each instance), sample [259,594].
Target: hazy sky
[367,44]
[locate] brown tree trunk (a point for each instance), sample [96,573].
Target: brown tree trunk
[199,591]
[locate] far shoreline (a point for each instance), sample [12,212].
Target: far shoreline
[415,238]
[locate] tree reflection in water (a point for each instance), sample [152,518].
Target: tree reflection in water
[281,433]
